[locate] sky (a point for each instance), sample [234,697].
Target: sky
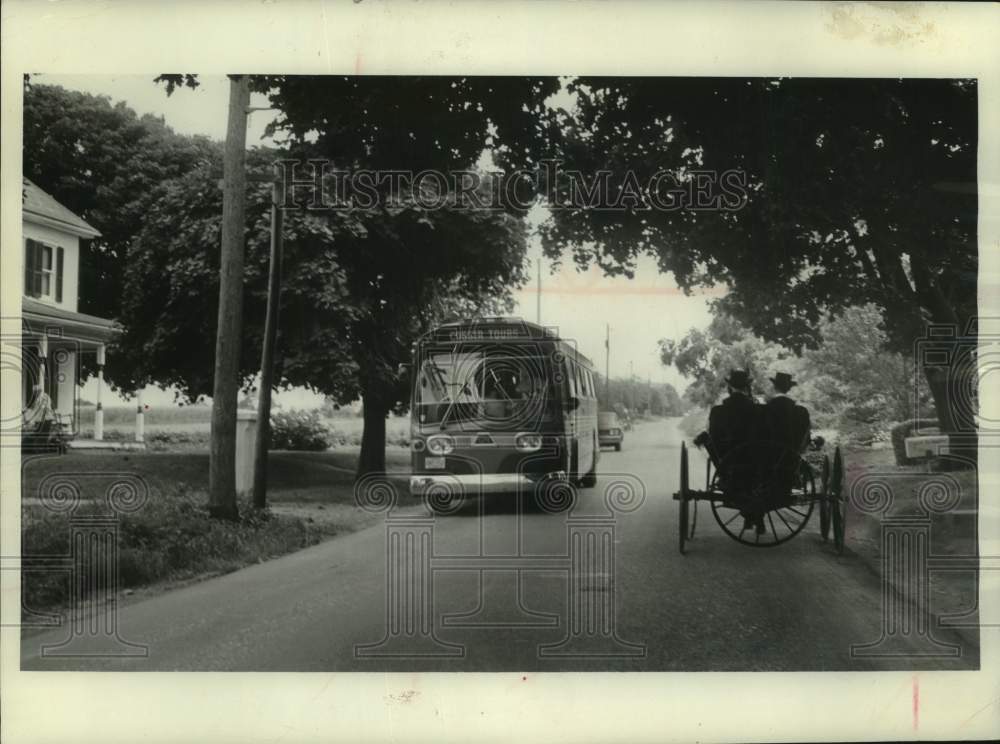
[640,311]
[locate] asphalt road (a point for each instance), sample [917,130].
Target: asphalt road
[508,588]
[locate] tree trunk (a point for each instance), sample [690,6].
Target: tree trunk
[947,387]
[262,445]
[372,459]
[226,386]
[951,420]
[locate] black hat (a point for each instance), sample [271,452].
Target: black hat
[783,381]
[739,379]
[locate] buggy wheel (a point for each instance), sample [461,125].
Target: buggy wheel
[781,523]
[684,496]
[837,511]
[824,504]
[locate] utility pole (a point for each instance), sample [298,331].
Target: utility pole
[538,295]
[607,365]
[267,352]
[228,335]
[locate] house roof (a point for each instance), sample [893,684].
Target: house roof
[41,317]
[41,208]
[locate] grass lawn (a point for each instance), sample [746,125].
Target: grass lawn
[292,476]
[170,537]
[187,428]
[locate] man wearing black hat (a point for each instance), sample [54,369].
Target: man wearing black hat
[787,422]
[734,428]
[734,423]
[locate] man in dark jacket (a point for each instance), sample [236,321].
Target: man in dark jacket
[734,428]
[787,422]
[734,423]
[787,425]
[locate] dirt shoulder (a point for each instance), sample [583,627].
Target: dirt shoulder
[909,526]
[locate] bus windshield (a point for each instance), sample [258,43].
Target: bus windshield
[496,387]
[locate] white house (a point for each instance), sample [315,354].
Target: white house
[56,337]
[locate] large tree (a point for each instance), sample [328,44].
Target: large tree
[855,191]
[105,163]
[413,263]
[358,288]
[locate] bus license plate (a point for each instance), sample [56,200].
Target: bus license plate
[434,463]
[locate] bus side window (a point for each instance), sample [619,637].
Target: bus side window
[590,383]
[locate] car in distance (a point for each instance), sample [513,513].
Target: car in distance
[609,430]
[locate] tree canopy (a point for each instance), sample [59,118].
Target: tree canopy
[850,381]
[104,162]
[856,191]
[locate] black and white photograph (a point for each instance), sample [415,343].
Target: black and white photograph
[420,369]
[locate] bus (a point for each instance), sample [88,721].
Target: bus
[499,406]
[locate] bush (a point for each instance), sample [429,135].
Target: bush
[901,431]
[299,430]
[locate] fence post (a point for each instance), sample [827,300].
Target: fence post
[99,409]
[140,419]
[246,438]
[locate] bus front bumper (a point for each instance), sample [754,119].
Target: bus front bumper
[480,484]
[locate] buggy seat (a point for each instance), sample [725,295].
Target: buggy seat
[759,475]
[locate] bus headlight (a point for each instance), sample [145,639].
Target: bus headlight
[440,444]
[528,442]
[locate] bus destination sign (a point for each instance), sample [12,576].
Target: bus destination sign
[481,333]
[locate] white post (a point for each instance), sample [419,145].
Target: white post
[99,411]
[140,419]
[43,362]
[246,440]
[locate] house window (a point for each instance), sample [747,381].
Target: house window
[43,270]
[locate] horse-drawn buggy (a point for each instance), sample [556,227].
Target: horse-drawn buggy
[762,494]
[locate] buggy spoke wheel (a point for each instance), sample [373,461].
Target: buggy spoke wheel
[824,504]
[781,523]
[837,501]
[684,500]
[728,521]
